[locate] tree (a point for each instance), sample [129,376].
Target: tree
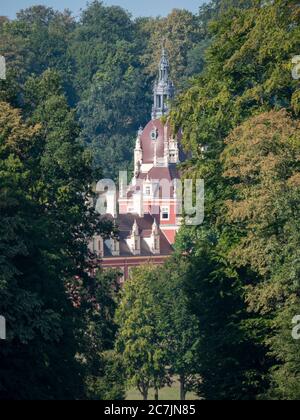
[36,41]
[96,300]
[111,112]
[248,72]
[45,180]
[97,36]
[139,341]
[179,327]
[262,161]
[38,358]
[230,359]
[158,337]
[111,86]
[179,32]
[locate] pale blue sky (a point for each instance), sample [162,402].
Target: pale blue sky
[136,7]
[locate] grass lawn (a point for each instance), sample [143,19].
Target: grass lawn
[167,393]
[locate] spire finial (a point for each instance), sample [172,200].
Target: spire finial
[163,88]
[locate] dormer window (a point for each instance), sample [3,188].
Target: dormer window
[115,247]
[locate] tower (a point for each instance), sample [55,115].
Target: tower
[149,207]
[163,88]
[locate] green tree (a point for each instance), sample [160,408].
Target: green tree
[159,336]
[248,71]
[139,341]
[97,36]
[38,358]
[111,85]
[36,41]
[230,360]
[45,178]
[110,112]
[262,161]
[179,32]
[96,299]
[179,327]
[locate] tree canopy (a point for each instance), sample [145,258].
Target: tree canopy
[218,316]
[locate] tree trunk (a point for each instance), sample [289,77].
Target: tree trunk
[144,391]
[182,387]
[156,394]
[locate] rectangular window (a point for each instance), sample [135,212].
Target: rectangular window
[165,213]
[158,101]
[148,190]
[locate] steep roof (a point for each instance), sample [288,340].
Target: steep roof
[148,143]
[125,223]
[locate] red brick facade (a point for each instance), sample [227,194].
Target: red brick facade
[148,207]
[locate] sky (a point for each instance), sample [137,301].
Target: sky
[135,7]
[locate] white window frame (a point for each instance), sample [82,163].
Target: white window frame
[165,209]
[148,190]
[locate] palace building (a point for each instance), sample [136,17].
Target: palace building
[146,211]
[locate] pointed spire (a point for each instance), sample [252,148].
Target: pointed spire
[135,239]
[164,66]
[135,228]
[155,227]
[155,239]
[163,87]
[138,153]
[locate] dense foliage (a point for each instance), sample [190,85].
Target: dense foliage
[158,335]
[245,284]
[219,315]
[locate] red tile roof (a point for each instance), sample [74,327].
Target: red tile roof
[148,144]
